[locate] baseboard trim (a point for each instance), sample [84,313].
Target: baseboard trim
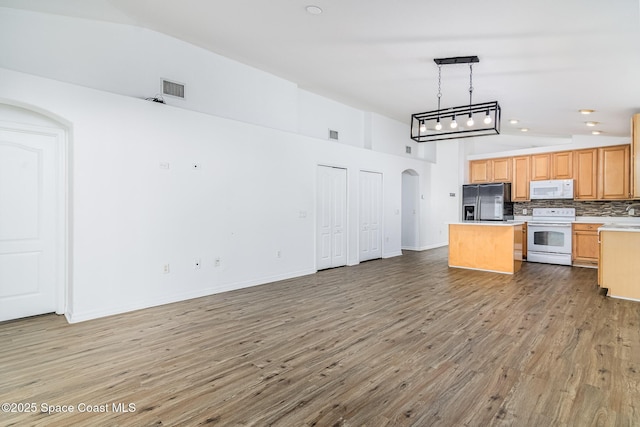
[424,248]
[73,317]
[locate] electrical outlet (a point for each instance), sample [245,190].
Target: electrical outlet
[632,212]
[524,211]
[217,262]
[165,269]
[196,263]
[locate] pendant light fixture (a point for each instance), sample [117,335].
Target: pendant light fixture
[428,126]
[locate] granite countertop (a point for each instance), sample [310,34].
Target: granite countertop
[620,227]
[630,220]
[509,223]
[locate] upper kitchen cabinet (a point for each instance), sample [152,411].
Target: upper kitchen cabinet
[562,165]
[540,167]
[552,166]
[602,173]
[520,182]
[613,172]
[585,168]
[501,169]
[490,170]
[635,156]
[479,171]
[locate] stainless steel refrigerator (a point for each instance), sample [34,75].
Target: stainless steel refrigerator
[487,202]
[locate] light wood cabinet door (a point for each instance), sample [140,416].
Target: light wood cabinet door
[613,172]
[562,165]
[540,167]
[585,248]
[585,172]
[480,171]
[520,182]
[501,170]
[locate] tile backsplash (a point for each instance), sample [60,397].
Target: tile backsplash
[583,208]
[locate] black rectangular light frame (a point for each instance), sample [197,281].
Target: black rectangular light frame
[461,113]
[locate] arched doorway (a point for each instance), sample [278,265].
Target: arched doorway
[33,214]
[410,210]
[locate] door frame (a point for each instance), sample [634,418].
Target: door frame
[62,232]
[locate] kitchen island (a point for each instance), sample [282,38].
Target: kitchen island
[486,245]
[619,268]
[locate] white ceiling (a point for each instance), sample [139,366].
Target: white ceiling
[542,60]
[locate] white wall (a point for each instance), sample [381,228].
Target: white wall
[441,208]
[391,136]
[256,139]
[132,61]
[509,145]
[243,203]
[316,115]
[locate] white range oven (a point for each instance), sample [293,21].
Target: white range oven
[549,235]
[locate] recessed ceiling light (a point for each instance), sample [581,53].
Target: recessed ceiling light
[314,10]
[596,132]
[585,111]
[524,129]
[591,124]
[513,121]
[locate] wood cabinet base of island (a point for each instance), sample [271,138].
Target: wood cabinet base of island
[496,248]
[619,267]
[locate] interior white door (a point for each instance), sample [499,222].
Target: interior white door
[410,205]
[28,223]
[332,217]
[370,215]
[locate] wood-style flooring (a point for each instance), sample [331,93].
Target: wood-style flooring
[404,341]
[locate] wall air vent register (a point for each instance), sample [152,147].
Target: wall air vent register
[172,89]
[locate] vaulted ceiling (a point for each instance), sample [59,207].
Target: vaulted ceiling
[542,60]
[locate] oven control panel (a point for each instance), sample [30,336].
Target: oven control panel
[554,212]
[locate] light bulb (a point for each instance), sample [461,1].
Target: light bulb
[453,124]
[438,125]
[423,127]
[487,118]
[470,121]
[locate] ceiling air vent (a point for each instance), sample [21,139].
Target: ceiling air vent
[333,134]
[172,89]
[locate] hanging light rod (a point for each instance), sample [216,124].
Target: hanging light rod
[428,126]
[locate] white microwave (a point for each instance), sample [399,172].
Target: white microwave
[551,189]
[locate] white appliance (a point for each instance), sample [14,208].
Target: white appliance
[549,235]
[551,189]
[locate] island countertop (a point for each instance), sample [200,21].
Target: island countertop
[509,223]
[635,228]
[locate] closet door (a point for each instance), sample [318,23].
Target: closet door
[332,217]
[370,215]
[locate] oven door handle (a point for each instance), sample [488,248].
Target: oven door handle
[547,224]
